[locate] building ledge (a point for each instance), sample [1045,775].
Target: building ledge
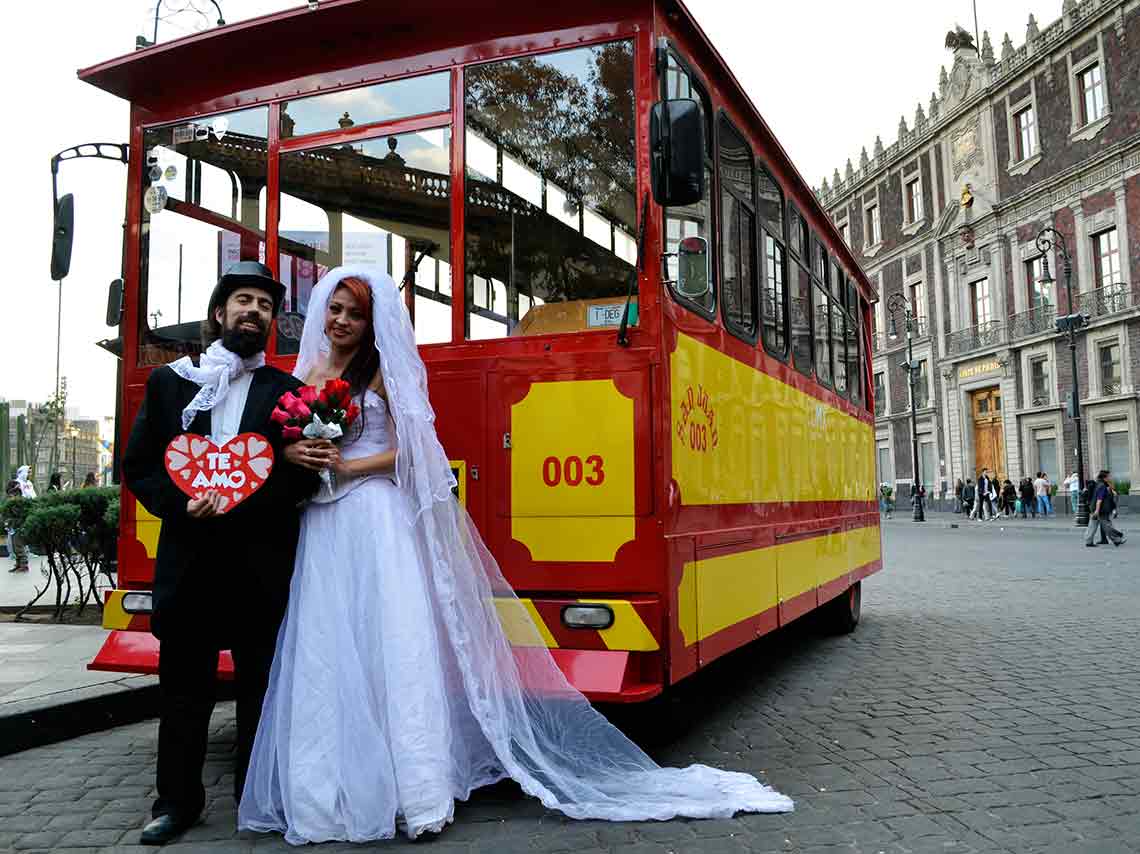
[872,251]
[1021,167]
[1091,130]
[915,226]
[1123,397]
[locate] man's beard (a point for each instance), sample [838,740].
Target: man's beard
[245,343]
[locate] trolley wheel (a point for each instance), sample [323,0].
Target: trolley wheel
[841,614]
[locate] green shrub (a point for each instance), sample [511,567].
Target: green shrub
[1122,486]
[77,532]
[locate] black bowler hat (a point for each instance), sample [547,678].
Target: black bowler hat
[247,274]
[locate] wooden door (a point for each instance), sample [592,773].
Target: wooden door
[989,439]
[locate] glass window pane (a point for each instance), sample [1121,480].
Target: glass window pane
[1047,458]
[838,348]
[821,323]
[801,318]
[556,232]
[379,202]
[203,211]
[415,96]
[854,372]
[928,472]
[1116,454]
[775,296]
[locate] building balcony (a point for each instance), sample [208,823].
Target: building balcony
[1025,324]
[880,404]
[1108,300]
[988,334]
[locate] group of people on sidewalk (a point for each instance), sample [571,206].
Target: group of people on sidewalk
[1031,496]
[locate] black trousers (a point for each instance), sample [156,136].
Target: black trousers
[187,675]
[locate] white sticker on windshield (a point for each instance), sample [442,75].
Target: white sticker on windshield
[219,126]
[154,199]
[184,133]
[171,172]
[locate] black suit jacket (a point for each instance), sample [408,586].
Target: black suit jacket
[230,573]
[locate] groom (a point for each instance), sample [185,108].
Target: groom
[220,582]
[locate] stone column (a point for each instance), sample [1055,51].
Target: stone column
[1081,252]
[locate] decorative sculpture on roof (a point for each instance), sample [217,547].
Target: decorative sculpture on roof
[958,38]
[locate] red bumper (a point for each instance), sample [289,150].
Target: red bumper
[604,676]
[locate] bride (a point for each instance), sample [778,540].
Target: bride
[394,691]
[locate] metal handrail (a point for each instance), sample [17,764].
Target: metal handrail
[1109,299]
[975,337]
[1040,318]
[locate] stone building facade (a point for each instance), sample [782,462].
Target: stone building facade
[1044,135]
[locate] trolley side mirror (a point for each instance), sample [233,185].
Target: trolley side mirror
[693,279]
[115,302]
[62,235]
[677,149]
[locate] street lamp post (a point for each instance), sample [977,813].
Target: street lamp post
[899,303]
[1047,239]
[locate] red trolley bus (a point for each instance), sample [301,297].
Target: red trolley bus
[647,345]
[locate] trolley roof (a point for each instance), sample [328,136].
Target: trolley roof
[302,49]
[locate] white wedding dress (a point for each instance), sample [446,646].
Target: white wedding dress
[394,691]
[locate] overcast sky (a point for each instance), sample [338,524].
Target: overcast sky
[827,76]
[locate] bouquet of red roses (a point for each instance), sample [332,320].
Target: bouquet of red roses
[311,414]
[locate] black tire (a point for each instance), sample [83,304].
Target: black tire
[841,614]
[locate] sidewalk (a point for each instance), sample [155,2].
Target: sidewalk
[1057,524]
[47,694]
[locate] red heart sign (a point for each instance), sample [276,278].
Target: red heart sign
[234,470]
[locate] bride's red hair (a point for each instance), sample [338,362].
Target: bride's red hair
[365,363]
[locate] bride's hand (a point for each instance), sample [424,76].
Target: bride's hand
[312,454]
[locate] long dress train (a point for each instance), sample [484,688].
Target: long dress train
[394,691]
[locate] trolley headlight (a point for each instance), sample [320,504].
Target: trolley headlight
[137,603]
[587,616]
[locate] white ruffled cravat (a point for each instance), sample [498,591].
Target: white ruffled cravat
[216,369]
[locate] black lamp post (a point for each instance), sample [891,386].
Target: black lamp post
[899,303]
[1047,239]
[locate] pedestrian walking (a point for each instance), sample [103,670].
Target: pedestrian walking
[27,488]
[89,480]
[885,504]
[15,489]
[1100,517]
[958,488]
[1008,497]
[968,491]
[55,483]
[1028,498]
[1040,488]
[984,502]
[1072,486]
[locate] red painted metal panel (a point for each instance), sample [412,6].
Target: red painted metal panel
[137,652]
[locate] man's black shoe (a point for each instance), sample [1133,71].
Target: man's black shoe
[165,829]
[1090,545]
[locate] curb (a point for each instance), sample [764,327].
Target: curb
[57,717]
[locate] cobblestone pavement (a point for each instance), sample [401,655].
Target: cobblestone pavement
[989,702]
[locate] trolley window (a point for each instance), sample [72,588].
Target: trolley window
[771,209]
[340,110]
[204,204]
[551,213]
[694,220]
[821,326]
[801,315]
[383,202]
[738,232]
